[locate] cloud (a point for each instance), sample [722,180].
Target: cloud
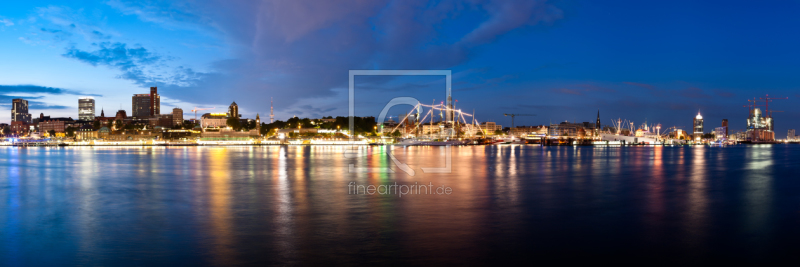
[6,22]
[722,93]
[584,88]
[693,92]
[567,91]
[505,16]
[130,60]
[652,89]
[32,104]
[35,89]
[293,49]
[643,85]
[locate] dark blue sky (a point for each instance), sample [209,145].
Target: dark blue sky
[562,60]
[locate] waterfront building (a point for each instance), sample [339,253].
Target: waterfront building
[214,120]
[57,125]
[490,127]
[725,124]
[759,127]
[20,128]
[86,108]
[680,134]
[436,128]
[698,127]
[103,132]
[791,135]
[524,131]
[85,133]
[140,106]
[134,135]
[162,120]
[146,105]
[720,133]
[19,111]
[177,116]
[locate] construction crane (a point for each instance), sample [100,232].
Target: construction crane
[768,99]
[514,115]
[198,109]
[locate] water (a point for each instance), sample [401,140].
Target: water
[292,205]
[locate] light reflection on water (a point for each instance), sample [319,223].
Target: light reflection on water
[290,205]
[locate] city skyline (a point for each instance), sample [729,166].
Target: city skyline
[661,69]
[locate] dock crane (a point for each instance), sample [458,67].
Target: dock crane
[198,109]
[514,115]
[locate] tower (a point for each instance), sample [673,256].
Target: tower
[258,124]
[271,114]
[698,126]
[597,124]
[233,110]
[155,102]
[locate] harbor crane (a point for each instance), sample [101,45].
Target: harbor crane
[198,109]
[514,115]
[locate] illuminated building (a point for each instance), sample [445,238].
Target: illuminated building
[759,127]
[177,116]
[86,109]
[233,110]
[19,111]
[155,101]
[141,105]
[725,125]
[214,120]
[698,127]
[146,105]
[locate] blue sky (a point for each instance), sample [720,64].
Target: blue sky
[563,60]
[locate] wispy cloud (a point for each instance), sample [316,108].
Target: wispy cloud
[567,91]
[693,92]
[35,89]
[130,60]
[33,102]
[6,22]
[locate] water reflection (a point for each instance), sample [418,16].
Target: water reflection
[290,204]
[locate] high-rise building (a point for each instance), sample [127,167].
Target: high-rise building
[698,126]
[759,127]
[233,110]
[725,124]
[146,105]
[140,105]
[86,109]
[19,111]
[177,116]
[791,135]
[155,102]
